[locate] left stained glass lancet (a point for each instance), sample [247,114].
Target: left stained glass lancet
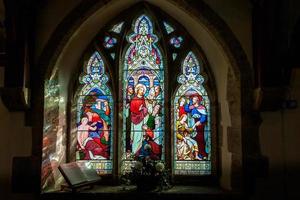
[143,92]
[94,118]
[191,122]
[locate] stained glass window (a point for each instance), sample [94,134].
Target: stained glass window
[94,118]
[176,41]
[191,122]
[137,117]
[113,55]
[143,92]
[168,28]
[174,56]
[109,42]
[117,28]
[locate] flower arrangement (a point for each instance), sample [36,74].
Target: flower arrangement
[148,174]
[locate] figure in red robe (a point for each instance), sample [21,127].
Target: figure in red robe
[139,116]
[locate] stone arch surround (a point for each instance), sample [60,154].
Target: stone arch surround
[228,62]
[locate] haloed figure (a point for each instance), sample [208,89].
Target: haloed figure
[139,116]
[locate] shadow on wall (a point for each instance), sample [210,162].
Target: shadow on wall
[280,142]
[16,141]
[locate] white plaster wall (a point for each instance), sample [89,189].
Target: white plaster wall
[51,13]
[15,141]
[280,142]
[237,14]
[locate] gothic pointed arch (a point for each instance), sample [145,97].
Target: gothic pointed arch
[191,121]
[143,92]
[176,50]
[94,118]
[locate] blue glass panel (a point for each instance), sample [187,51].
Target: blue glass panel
[109,42]
[176,41]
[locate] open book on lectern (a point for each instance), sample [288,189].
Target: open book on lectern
[77,174]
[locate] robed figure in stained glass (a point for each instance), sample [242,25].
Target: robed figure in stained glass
[96,145]
[139,116]
[199,114]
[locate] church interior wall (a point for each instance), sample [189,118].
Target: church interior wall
[75,46]
[279,141]
[46,25]
[278,132]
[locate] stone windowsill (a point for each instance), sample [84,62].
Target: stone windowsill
[120,192]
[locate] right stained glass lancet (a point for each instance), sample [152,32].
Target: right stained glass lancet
[191,122]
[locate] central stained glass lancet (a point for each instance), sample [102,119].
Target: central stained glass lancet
[143,92]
